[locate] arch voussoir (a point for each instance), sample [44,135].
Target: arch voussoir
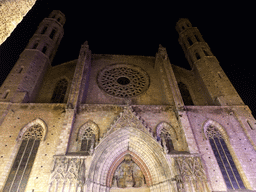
[144,151]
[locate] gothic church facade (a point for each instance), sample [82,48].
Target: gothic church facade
[123,123]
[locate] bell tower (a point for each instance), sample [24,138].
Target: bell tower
[215,84]
[24,80]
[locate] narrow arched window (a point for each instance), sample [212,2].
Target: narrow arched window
[88,141]
[185,94]
[35,45]
[189,41]
[6,94]
[166,136]
[22,166]
[197,56]
[59,91]
[44,49]
[53,33]
[44,30]
[225,161]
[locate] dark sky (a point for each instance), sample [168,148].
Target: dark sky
[134,28]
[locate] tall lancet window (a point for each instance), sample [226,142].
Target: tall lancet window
[224,159]
[185,94]
[59,91]
[22,166]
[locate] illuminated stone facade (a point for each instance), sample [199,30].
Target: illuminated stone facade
[11,14]
[123,123]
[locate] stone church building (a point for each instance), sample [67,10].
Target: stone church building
[118,123]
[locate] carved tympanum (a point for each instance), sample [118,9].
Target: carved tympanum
[128,174]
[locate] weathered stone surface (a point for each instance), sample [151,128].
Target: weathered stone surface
[11,14]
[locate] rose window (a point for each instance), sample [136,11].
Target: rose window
[123,80]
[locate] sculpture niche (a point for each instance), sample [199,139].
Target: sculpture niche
[128,174]
[166,142]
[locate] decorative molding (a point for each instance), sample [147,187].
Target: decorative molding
[191,174]
[37,128]
[128,118]
[99,107]
[67,172]
[88,124]
[166,128]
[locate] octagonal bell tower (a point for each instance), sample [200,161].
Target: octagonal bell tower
[24,80]
[215,84]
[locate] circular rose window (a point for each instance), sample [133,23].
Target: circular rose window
[123,80]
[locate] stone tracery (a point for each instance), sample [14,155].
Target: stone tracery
[166,136]
[123,80]
[87,137]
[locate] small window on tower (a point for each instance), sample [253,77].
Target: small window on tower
[6,94]
[189,41]
[44,49]
[197,56]
[44,30]
[52,33]
[206,52]
[35,45]
[21,69]
[197,38]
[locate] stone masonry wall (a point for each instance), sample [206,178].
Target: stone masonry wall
[20,115]
[240,137]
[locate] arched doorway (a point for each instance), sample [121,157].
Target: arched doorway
[144,151]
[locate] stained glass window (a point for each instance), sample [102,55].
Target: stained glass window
[60,91]
[22,166]
[224,159]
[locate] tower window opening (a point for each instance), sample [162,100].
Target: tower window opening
[197,56]
[206,52]
[21,69]
[6,94]
[189,41]
[52,33]
[58,19]
[197,38]
[44,30]
[44,49]
[220,76]
[35,45]
[250,125]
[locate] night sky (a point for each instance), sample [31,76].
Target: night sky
[134,28]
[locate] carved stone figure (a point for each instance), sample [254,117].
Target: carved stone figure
[166,142]
[138,179]
[128,174]
[179,183]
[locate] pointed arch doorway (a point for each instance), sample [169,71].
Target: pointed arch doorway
[111,159]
